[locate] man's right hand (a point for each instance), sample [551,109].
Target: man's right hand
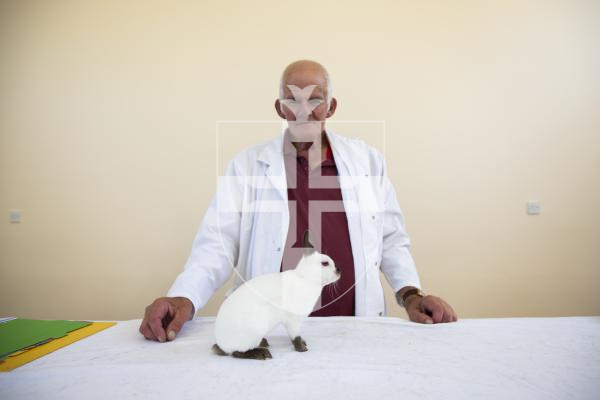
[165,317]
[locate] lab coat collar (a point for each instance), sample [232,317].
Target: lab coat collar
[272,154]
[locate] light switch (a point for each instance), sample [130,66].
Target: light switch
[14,216]
[533,207]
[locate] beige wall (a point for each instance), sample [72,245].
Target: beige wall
[108,114]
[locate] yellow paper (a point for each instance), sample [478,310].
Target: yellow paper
[21,357]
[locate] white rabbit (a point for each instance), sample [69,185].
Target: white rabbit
[262,303]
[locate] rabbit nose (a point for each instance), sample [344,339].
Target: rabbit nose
[337,269]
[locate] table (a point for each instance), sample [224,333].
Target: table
[350,358]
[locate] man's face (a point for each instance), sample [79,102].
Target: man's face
[304,104]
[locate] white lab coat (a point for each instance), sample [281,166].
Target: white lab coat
[247,222]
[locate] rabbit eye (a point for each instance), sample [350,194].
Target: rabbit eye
[324,263]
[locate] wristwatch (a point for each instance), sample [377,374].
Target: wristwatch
[402,300]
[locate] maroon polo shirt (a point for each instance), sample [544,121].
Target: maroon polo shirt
[319,206]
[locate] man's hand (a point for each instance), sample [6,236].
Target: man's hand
[429,310]
[165,317]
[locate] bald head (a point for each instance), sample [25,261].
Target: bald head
[303,71]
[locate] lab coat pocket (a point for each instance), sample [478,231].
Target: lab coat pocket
[372,231]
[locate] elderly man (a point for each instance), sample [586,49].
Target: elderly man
[314,180]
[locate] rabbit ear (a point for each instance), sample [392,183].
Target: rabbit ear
[306,243]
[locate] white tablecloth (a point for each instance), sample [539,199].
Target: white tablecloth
[350,358]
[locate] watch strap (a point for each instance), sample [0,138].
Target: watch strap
[402,299]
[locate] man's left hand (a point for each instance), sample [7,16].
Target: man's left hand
[429,310]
